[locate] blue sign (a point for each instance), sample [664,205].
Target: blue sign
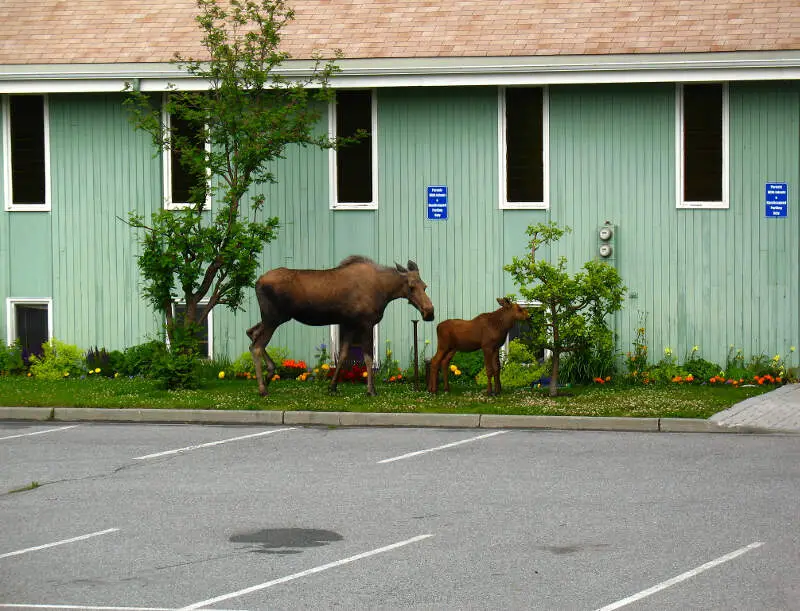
[437,203]
[776,210]
[776,192]
[776,196]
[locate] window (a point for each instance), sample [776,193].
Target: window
[702,145]
[31,322]
[205,336]
[179,179]
[524,147]
[355,355]
[26,151]
[353,168]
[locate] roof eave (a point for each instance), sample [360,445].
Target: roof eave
[436,71]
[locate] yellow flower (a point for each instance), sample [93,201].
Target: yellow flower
[388,353]
[316,370]
[364,375]
[221,375]
[791,349]
[695,348]
[97,370]
[29,374]
[116,374]
[453,367]
[325,366]
[427,341]
[457,372]
[66,374]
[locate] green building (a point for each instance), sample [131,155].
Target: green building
[679,130]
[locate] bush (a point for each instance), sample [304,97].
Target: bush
[60,360]
[515,375]
[469,363]
[243,367]
[138,360]
[11,359]
[174,370]
[702,369]
[109,363]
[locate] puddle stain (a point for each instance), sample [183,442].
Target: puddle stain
[285,541]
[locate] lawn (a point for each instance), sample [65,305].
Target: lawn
[665,401]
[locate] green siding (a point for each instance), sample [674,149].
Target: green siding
[711,278]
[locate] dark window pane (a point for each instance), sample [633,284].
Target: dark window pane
[702,143]
[184,179]
[524,144]
[27,149]
[201,334]
[354,162]
[31,326]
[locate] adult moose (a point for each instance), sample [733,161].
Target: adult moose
[485,332]
[353,295]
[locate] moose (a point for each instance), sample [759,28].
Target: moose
[353,295]
[485,332]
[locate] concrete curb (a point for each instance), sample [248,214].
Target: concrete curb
[366,419]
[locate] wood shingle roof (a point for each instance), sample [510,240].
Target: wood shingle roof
[151,31]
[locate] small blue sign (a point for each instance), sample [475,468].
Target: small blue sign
[437,203]
[776,210]
[776,192]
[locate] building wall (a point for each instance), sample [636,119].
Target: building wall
[711,278]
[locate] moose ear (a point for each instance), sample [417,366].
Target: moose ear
[504,301]
[400,268]
[412,267]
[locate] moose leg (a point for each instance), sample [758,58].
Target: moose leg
[345,339]
[446,369]
[260,335]
[489,364]
[368,345]
[433,371]
[497,371]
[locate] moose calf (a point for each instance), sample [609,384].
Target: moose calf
[485,332]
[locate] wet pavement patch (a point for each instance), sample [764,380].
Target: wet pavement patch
[285,540]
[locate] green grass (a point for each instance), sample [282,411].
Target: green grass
[673,401]
[31,486]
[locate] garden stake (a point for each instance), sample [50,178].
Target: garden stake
[416,357]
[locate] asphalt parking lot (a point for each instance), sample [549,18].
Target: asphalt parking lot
[137,516]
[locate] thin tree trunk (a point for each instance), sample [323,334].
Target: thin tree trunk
[554,374]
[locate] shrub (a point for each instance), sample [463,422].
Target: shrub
[702,369]
[108,363]
[175,370]
[595,360]
[469,363]
[515,375]
[243,367]
[11,359]
[60,360]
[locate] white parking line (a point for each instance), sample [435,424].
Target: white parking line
[61,428]
[324,567]
[91,608]
[46,545]
[449,445]
[682,577]
[211,443]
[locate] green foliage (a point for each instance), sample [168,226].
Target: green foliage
[596,359]
[109,363]
[11,359]
[175,370]
[138,360]
[699,368]
[59,360]
[389,365]
[636,361]
[574,305]
[248,117]
[244,364]
[514,375]
[469,364]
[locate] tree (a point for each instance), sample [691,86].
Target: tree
[245,120]
[572,305]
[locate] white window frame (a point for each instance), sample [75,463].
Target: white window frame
[333,156]
[210,327]
[502,130]
[11,326]
[166,157]
[335,347]
[8,188]
[680,157]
